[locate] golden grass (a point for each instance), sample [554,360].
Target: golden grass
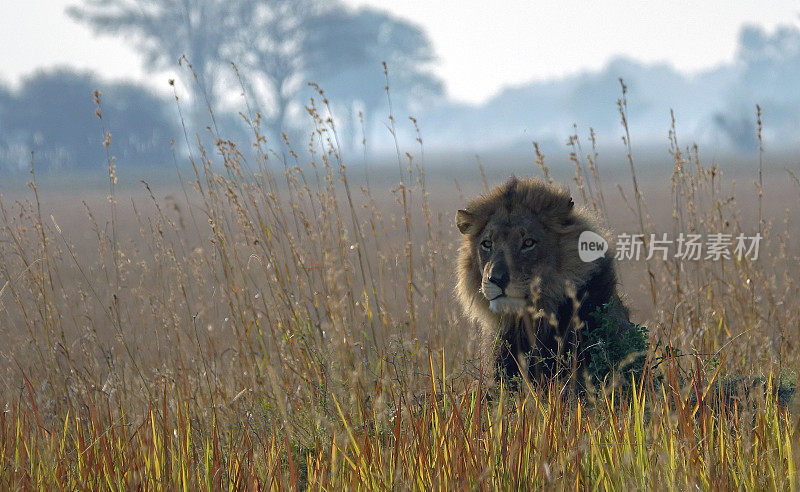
[279,323]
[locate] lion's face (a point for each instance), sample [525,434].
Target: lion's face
[513,250]
[518,248]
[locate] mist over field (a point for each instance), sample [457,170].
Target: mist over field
[278,52]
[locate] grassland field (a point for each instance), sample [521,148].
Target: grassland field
[290,323]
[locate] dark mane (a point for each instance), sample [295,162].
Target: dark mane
[510,188]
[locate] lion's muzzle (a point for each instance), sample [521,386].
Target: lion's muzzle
[499,275]
[496,279]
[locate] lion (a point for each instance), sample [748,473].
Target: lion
[519,275]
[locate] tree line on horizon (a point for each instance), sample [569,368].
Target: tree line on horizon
[279,46]
[266,51]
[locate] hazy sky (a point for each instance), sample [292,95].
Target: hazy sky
[482,46]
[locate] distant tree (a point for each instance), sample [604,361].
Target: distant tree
[270,48]
[141,123]
[263,37]
[5,100]
[769,67]
[53,115]
[165,30]
[345,51]
[278,46]
[771,64]
[5,96]
[758,49]
[593,100]
[739,128]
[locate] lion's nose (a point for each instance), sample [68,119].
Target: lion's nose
[499,275]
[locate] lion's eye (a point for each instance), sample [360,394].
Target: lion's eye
[486,244]
[528,243]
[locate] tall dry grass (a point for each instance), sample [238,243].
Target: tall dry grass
[281,321]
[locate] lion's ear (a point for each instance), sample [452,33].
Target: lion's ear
[464,221]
